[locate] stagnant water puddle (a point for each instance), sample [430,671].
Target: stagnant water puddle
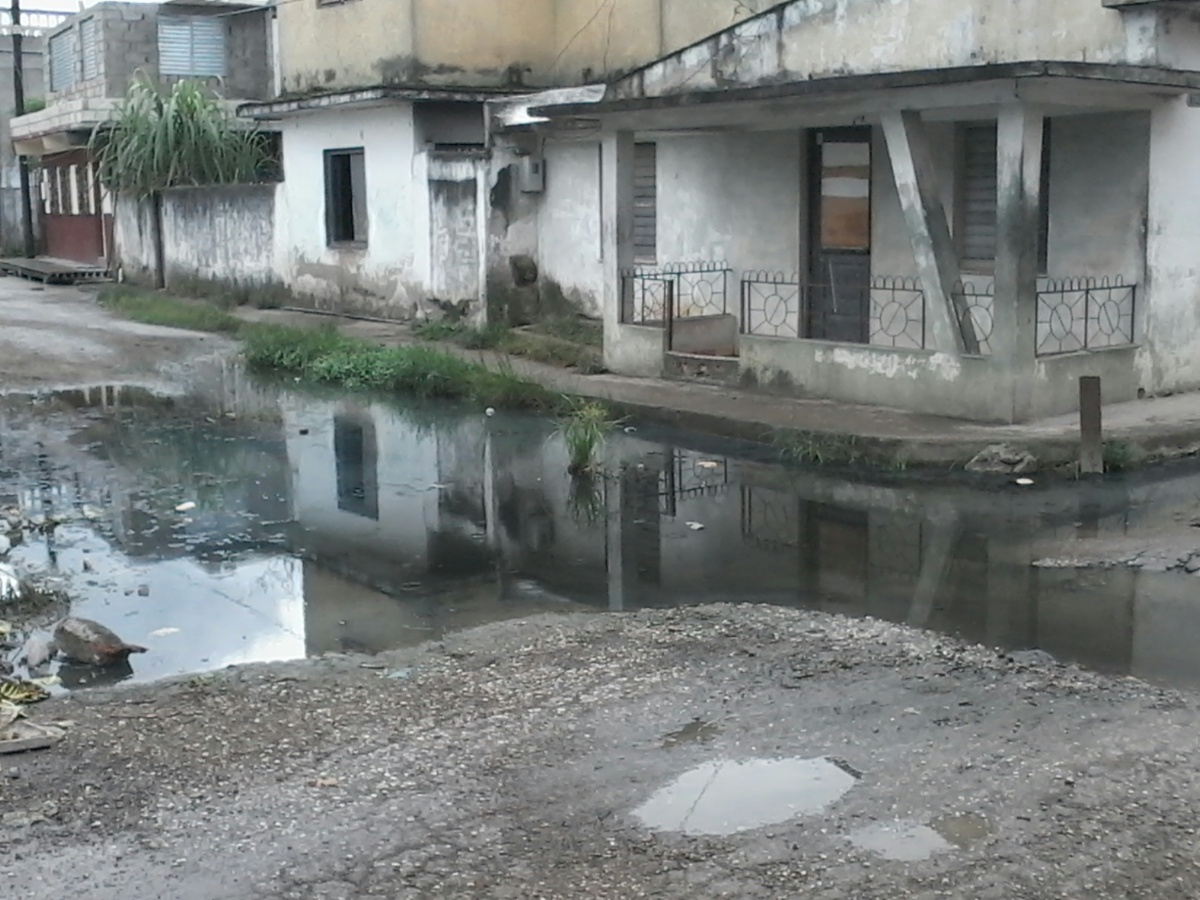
[248,522]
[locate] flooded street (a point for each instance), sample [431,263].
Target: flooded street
[393,650]
[245,522]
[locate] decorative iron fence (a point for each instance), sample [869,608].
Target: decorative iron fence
[681,290]
[1080,314]
[978,299]
[34,22]
[775,304]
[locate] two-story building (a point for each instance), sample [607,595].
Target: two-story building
[93,56]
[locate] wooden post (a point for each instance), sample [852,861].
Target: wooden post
[1091,432]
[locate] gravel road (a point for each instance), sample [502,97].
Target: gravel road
[513,761]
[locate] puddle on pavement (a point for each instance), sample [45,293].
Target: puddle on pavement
[906,841]
[344,524]
[726,797]
[697,732]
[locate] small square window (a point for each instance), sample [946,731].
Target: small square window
[345,197]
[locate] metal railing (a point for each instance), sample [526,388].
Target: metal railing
[34,22]
[978,298]
[652,294]
[776,304]
[1080,314]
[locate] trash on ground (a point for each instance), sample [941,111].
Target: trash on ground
[185,507]
[371,665]
[21,735]
[46,681]
[90,642]
[398,674]
[5,628]
[38,651]
[708,464]
[324,782]
[696,526]
[16,690]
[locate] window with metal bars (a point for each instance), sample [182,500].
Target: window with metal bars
[978,196]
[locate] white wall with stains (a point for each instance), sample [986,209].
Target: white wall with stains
[389,277]
[568,230]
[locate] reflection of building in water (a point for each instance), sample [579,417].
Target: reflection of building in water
[357,456]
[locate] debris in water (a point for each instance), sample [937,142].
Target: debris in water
[695,732]
[10,584]
[629,429]
[143,590]
[696,526]
[91,643]
[185,507]
[164,632]
[38,651]
[489,412]
[1025,482]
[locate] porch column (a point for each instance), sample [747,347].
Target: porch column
[616,239]
[1018,189]
[948,320]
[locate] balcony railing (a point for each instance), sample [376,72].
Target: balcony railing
[34,22]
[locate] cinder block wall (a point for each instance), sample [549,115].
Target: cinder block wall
[129,43]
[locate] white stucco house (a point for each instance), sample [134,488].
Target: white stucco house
[954,209]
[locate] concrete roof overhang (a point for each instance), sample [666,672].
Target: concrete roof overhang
[1058,87]
[366,98]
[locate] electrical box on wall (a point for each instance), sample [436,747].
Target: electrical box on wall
[532,174]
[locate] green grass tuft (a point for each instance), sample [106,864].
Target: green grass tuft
[158,309]
[809,448]
[583,428]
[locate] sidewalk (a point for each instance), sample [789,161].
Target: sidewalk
[1165,427]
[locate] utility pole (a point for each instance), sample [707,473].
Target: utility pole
[19,110]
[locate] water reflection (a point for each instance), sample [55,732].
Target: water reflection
[327,525]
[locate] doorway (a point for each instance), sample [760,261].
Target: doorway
[839,252]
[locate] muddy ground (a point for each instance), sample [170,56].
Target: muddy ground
[509,761]
[58,336]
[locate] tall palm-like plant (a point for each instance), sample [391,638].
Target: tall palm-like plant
[184,137]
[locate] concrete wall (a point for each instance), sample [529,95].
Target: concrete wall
[487,42]
[221,235]
[458,232]
[568,223]
[129,44]
[823,38]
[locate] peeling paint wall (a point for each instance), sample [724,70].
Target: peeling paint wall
[135,236]
[569,248]
[223,234]
[495,43]
[388,277]
[821,38]
[456,210]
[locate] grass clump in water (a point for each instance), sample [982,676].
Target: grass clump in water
[802,448]
[583,428]
[158,309]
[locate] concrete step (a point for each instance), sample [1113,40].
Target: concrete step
[704,367]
